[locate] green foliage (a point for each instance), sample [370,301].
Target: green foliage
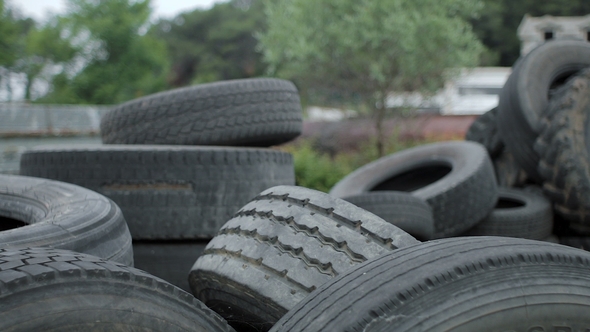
[215,44]
[9,35]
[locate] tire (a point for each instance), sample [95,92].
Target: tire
[59,290]
[281,246]
[169,260]
[166,192]
[455,178]
[517,214]
[508,172]
[247,112]
[410,213]
[42,213]
[456,284]
[484,131]
[563,146]
[525,96]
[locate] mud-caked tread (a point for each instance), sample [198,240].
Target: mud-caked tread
[280,247]
[456,178]
[408,212]
[484,131]
[518,213]
[246,112]
[167,192]
[61,215]
[60,290]
[455,284]
[524,99]
[563,146]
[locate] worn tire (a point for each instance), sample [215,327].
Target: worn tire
[456,284]
[280,247]
[484,130]
[525,96]
[58,290]
[43,213]
[455,178]
[564,146]
[166,192]
[517,214]
[246,112]
[508,171]
[408,212]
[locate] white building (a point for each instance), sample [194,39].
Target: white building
[534,31]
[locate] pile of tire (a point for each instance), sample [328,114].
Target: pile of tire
[180,163]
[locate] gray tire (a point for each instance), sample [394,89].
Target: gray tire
[484,131]
[408,212]
[455,178]
[38,212]
[247,112]
[166,192]
[280,247]
[456,284]
[60,290]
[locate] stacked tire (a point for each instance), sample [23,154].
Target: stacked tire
[180,163]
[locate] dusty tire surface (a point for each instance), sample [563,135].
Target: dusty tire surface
[525,96]
[484,131]
[518,213]
[247,112]
[455,284]
[166,192]
[408,212]
[456,178]
[47,289]
[37,212]
[280,247]
[564,146]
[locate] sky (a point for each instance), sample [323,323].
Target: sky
[162,8]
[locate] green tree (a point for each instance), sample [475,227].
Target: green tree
[119,60]
[215,44]
[370,47]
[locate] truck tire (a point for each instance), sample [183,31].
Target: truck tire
[280,247]
[247,112]
[38,212]
[47,289]
[166,192]
[455,284]
[455,178]
[484,130]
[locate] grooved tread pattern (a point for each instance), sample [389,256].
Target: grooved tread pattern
[248,112]
[563,146]
[167,192]
[70,290]
[458,284]
[533,219]
[65,216]
[284,244]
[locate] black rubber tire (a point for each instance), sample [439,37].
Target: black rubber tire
[43,213]
[484,131]
[455,178]
[169,260]
[166,192]
[456,284]
[508,171]
[59,290]
[517,214]
[246,112]
[564,146]
[525,96]
[281,246]
[410,213]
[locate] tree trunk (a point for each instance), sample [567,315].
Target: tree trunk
[379,117]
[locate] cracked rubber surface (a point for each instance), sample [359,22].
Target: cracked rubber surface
[166,192]
[61,215]
[518,213]
[564,146]
[247,112]
[456,178]
[43,289]
[280,247]
[456,284]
